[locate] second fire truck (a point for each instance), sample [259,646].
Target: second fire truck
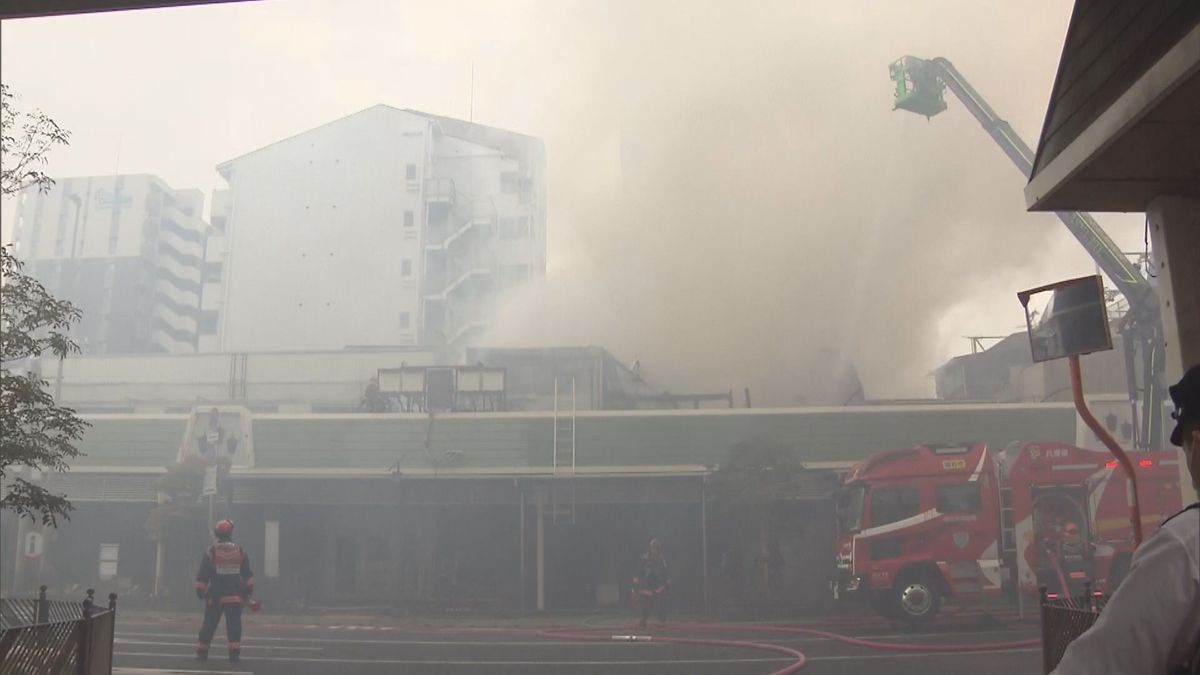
[919,525]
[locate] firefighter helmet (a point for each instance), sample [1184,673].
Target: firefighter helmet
[224,528]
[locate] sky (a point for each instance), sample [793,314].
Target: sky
[732,201]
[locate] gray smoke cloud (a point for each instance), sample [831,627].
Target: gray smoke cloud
[735,204]
[732,201]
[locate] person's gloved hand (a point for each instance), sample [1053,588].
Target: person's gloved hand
[199,593]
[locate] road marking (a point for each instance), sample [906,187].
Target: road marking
[160,671]
[776,638]
[413,662]
[123,641]
[802,638]
[917,655]
[345,641]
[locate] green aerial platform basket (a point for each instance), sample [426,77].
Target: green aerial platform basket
[918,88]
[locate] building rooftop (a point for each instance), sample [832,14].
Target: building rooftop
[509,142]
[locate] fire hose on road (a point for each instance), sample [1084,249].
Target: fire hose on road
[679,635]
[600,635]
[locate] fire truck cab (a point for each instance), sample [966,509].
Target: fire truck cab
[920,524]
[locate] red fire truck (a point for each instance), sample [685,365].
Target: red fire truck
[918,525]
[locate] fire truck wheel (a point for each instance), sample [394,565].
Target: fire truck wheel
[917,597]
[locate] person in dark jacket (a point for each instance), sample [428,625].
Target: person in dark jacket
[650,584]
[224,583]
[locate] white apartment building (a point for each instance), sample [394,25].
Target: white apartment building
[127,250]
[215,249]
[387,227]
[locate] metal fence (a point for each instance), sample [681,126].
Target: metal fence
[44,637]
[1065,618]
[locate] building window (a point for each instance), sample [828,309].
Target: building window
[406,268]
[212,271]
[208,322]
[404,321]
[410,172]
[109,554]
[510,183]
[408,219]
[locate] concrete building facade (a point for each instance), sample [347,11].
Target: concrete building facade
[466,512]
[128,250]
[386,227]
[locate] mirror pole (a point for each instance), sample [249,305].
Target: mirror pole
[1135,509]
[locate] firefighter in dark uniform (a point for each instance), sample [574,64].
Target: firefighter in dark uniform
[1071,556]
[224,583]
[650,584]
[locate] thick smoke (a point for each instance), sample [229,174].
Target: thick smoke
[734,204]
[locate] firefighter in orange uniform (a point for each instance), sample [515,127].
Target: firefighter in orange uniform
[224,583]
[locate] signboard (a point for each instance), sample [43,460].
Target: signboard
[218,435]
[34,545]
[107,199]
[210,481]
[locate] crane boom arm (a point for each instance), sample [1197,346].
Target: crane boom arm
[921,92]
[920,85]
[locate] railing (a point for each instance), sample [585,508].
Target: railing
[1064,619]
[440,190]
[478,212]
[441,284]
[43,637]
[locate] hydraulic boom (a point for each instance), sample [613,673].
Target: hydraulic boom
[920,88]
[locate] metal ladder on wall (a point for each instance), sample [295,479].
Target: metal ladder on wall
[564,458]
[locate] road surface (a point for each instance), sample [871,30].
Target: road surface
[146,647]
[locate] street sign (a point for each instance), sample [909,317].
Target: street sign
[210,481]
[34,544]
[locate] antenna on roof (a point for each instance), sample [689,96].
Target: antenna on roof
[117,168]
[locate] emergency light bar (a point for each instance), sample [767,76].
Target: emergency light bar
[1142,464]
[951,450]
